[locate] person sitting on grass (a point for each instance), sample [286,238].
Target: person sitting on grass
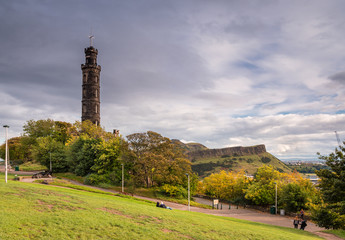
[162,205]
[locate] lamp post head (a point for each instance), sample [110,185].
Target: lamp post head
[187,174]
[6,126]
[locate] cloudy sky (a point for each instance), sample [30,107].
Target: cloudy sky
[221,73]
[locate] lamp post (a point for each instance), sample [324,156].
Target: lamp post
[122,176]
[188,192]
[6,151]
[50,163]
[276,198]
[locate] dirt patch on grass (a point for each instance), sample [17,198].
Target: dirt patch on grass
[55,206]
[44,206]
[151,219]
[115,212]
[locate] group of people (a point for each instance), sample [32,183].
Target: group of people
[300,221]
[162,205]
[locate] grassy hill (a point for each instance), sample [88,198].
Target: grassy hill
[249,163]
[206,161]
[35,211]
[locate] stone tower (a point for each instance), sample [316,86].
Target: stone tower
[91,86]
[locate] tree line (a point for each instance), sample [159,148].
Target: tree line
[149,159]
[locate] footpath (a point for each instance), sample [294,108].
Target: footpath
[234,212]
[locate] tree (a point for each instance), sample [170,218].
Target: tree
[81,155]
[332,186]
[332,182]
[107,162]
[226,185]
[39,128]
[33,130]
[156,160]
[262,189]
[49,149]
[293,197]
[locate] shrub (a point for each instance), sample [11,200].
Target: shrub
[174,191]
[249,160]
[265,159]
[95,179]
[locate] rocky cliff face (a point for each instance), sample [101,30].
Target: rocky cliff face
[231,151]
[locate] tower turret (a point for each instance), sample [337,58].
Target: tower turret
[91,86]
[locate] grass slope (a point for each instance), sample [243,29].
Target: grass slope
[34,211]
[249,163]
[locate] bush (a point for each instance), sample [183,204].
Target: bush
[95,179]
[174,191]
[249,160]
[265,159]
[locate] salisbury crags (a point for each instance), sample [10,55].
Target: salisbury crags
[230,151]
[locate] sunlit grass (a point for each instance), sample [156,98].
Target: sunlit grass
[31,167]
[35,211]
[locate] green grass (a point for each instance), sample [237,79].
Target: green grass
[145,192]
[31,167]
[35,211]
[339,233]
[249,163]
[70,176]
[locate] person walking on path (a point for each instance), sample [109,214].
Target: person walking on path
[302,213]
[303,224]
[296,222]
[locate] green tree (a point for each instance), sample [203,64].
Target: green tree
[49,149]
[107,162]
[39,128]
[332,186]
[81,155]
[262,189]
[293,197]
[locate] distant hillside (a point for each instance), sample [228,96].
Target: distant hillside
[189,147]
[206,161]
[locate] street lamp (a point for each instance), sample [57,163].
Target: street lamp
[50,163]
[276,197]
[188,192]
[6,151]
[122,177]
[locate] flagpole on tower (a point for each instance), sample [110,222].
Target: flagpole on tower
[91,36]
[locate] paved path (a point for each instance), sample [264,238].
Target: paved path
[240,213]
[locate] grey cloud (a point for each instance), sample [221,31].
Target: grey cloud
[338,77]
[155,76]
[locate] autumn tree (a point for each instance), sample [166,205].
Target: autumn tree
[156,159]
[262,189]
[226,185]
